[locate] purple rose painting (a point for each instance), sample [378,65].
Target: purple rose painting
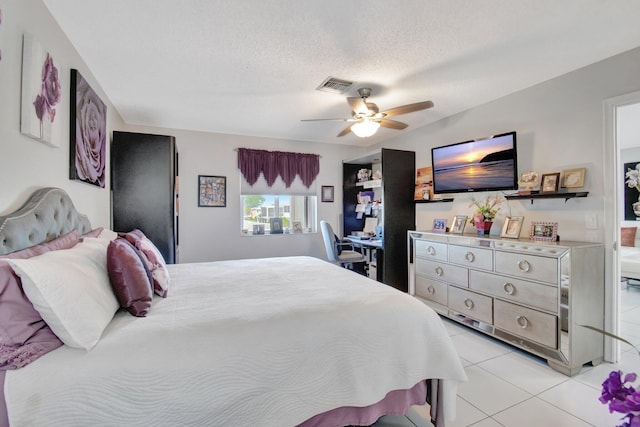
[88,133]
[41,91]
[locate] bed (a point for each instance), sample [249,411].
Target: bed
[629,253]
[271,342]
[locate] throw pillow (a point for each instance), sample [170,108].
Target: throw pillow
[628,236]
[129,278]
[153,259]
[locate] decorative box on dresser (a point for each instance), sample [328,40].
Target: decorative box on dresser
[531,294]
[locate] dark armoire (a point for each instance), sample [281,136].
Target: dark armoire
[143,188]
[395,190]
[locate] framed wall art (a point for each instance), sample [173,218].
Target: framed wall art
[549,183]
[327,193]
[573,178]
[212,191]
[457,226]
[87,133]
[512,226]
[545,231]
[41,92]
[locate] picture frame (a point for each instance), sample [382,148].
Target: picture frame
[458,224]
[528,181]
[573,178]
[512,226]
[544,231]
[41,93]
[327,193]
[258,228]
[275,225]
[87,133]
[212,191]
[297,227]
[439,225]
[549,183]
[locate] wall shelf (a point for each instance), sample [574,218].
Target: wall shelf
[435,200]
[565,196]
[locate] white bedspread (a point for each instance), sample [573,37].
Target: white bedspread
[267,342]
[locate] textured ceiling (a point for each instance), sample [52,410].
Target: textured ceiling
[251,67]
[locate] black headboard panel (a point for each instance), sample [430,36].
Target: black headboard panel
[47,214]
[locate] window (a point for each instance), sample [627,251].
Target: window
[298,213]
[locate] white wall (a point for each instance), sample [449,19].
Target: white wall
[560,125]
[27,164]
[209,234]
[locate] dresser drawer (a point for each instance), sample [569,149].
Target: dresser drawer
[527,266]
[431,290]
[431,250]
[476,306]
[526,323]
[534,294]
[442,271]
[471,257]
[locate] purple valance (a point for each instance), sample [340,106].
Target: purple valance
[272,164]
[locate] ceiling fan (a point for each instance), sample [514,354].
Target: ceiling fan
[368,118]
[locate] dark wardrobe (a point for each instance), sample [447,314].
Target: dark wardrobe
[144,170]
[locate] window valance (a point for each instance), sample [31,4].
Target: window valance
[272,164]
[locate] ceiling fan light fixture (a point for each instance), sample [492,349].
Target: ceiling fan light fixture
[365,128]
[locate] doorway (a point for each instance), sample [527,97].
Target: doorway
[618,125]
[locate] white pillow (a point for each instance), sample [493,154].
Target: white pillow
[71,291]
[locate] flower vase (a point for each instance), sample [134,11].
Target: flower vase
[484,227]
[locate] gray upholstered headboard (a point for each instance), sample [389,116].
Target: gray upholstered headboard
[47,214]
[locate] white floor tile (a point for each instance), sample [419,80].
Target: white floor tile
[489,393]
[393,421]
[580,400]
[535,413]
[632,316]
[476,348]
[487,422]
[594,377]
[530,375]
[454,328]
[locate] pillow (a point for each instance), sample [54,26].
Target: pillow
[24,336]
[71,291]
[129,277]
[628,236]
[153,260]
[93,233]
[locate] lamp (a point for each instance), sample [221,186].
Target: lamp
[365,127]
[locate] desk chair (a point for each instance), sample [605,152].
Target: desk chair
[340,252]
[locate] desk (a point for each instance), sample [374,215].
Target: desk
[373,252]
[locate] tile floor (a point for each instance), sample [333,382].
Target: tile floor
[508,387]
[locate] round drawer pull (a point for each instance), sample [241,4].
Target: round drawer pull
[431,250]
[470,257]
[468,303]
[439,271]
[524,265]
[509,288]
[431,290]
[522,322]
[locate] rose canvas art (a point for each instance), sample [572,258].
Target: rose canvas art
[88,133]
[41,92]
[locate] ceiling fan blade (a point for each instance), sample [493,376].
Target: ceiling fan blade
[392,124]
[358,105]
[409,108]
[327,120]
[345,131]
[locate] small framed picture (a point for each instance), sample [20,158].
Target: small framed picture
[327,193]
[258,228]
[212,191]
[439,226]
[549,183]
[275,225]
[546,231]
[528,181]
[573,178]
[512,226]
[457,226]
[297,227]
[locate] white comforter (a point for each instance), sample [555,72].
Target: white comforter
[267,342]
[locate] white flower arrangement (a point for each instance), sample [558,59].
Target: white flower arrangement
[633,177]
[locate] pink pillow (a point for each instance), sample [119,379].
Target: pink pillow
[153,260]
[93,233]
[129,278]
[24,336]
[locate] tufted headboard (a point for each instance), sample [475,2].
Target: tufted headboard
[47,214]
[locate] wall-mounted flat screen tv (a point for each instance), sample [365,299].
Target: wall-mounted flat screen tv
[480,165]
